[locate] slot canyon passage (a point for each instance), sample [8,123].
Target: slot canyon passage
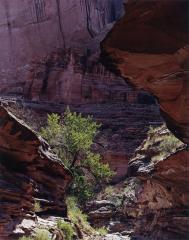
[123,62]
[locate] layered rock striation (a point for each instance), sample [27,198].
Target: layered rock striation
[149,48]
[74,77]
[160,208]
[30,30]
[152,203]
[63,67]
[124,125]
[30,172]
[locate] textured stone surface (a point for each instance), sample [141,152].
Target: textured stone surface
[153,203]
[79,80]
[72,77]
[124,125]
[29,30]
[29,172]
[161,205]
[149,47]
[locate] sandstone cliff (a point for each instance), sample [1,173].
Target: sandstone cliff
[29,173]
[51,69]
[74,77]
[149,48]
[152,203]
[161,205]
[30,30]
[124,124]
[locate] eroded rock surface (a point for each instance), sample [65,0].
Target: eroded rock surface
[29,173]
[151,204]
[74,77]
[161,205]
[121,131]
[29,30]
[62,67]
[149,48]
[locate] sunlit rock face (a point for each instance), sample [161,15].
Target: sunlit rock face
[149,47]
[161,205]
[28,172]
[152,202]
[30,30]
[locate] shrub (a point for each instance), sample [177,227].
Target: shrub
[42,234]
[67,229]
[160,143]
[77,216]
[170,143]
[37,206]
[102,231]
[25,238]
[109,190]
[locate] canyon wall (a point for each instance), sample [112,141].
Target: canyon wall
[149,48]
[29,172]
[50,58]
[29,30]
[72,77]
[152,53]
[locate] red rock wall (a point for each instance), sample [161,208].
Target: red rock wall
[29,30]
[28,171]
[149,47]
[76,78]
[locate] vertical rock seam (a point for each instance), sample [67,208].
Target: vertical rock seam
[60,23]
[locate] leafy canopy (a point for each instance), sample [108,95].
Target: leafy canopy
[72,140]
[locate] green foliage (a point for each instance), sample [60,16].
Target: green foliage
[42,234]
[77,216]
[78,132]
[67,229]
[53,130]
[72,140]
[81,187]
[152,130]
[109,190]
[25,238]
[37,206]
[170,143]
[161,143]
[102,231]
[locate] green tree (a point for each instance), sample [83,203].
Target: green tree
[72,140]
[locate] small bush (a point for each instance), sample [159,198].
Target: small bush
[102,231]
[37,206]
[25,238]
[42,234]
[67,229]
[161,143]
[109,190]
[77,216]
[170,143]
